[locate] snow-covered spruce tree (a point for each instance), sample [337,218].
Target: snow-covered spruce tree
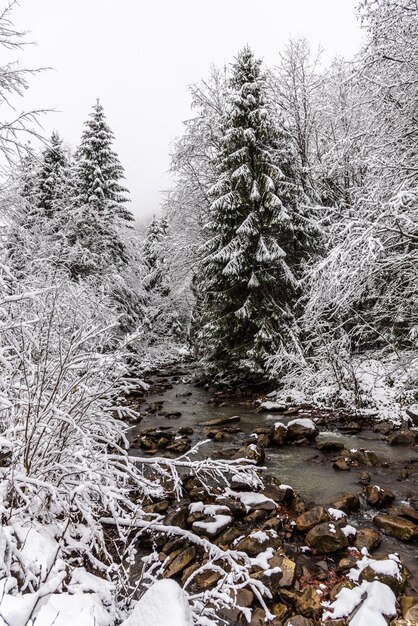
[155,256]
[39,210]
[53,184]
[258,238]
[100,215]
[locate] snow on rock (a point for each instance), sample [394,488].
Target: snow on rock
[163,604]
[249,498]
[337,514]
[272,406]
[280,425]
[349,531]
[388,567]
[262,559]
[376,599]
[303,421]
[207,509]
[82,609]
[260,536]
[214,526]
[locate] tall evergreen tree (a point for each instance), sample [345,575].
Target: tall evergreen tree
[248,280]
[100,216]
[99,170]
[155,255]
[53,178]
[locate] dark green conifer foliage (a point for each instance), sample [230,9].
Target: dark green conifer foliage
[248,281]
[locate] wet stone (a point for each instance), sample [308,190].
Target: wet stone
[398,527]
[364,478]
[341,464]
[218,421]
[403,438]
[330,446]
[311,518]
[396,583]
[377,496]
[279,434]
[301,428]
[347,502]
[326,537]
[186,430]
[367,538]
[404,511]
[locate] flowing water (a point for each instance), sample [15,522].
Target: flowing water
[306,469]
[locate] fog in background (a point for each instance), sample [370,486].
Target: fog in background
[139,58]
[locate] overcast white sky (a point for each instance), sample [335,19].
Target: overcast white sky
[139,57]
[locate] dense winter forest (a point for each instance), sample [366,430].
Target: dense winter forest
[282,272]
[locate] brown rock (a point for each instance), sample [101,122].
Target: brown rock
[297,429]
[345,564]
[280,610]
[312,518]
[206,579]
[409,607]
[347,502]
[218,421]
[252,452]
[402,529]
[341,464]
[326,537]
[309,603]
[364,457]
[228,536]
[403,438]
[364,478]
[178,516]
[279,434]
[179,563]
[396,583]
[157,507]
[186,430]
[404,511]
[367,538]
[255,543]
[298,620]
[330,446]
[377,496]
[258,618]
[343,584]
[244,598]
[288,567]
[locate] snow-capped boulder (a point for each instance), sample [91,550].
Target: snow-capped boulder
[163,604]
[301,427]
